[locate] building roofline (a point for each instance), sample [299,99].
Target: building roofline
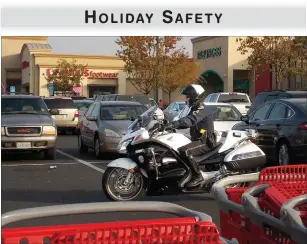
[38,38]
[56,55]
[202,38]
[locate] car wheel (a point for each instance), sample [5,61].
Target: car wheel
[81,146]
[283,154]
[50,154]
[98,153]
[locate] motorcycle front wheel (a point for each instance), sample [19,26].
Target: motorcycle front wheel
[117,187]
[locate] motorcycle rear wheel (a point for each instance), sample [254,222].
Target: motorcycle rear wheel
[115,189]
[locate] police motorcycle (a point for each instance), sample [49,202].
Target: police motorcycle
[152,164]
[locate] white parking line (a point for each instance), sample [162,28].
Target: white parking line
[81,161]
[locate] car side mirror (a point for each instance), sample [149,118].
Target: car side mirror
[91,118]
[245,119]
[54,111]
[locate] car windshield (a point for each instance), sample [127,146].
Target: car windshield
[121,112]
[233,98]
[83,105]
[225,113]
[23,106]
[60,103]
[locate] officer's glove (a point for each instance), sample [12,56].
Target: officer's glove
[174,125]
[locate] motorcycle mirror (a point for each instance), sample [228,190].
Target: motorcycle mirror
[132,118]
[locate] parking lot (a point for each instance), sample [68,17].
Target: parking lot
[29,181]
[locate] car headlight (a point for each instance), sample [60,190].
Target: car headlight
[49,130]
[2,131]
[111,133]
[122,147]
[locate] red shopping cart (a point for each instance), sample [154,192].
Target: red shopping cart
[256,214]
[190,227]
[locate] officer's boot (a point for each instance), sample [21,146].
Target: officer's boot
[197,178]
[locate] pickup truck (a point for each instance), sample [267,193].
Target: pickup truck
[240,100]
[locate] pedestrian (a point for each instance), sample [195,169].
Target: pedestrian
[161,105]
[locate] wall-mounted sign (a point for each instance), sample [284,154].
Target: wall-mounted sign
[91,74]
[209,53]
[24,64]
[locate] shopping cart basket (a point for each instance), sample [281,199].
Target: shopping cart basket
[190,227]
[253,215]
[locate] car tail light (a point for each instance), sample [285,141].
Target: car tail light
[303,126]
[232,93]
[76,114]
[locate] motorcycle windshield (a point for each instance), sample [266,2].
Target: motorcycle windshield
[144,119]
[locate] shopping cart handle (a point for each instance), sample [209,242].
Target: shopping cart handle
[292,218]
[219,194]
[253,211]
[87,208]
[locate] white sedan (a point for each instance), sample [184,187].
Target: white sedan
[225,117]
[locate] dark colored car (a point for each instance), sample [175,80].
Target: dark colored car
[140,98]
[104,124]
[282,128]
[266,96]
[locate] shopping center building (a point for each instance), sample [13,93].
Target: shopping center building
[27,61]
[225,68]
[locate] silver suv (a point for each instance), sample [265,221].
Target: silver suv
[27,125]
[68,116]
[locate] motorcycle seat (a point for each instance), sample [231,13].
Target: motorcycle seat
[208,154]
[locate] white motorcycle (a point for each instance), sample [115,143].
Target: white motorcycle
[153,165]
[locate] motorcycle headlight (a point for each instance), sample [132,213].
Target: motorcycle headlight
[122,147]
[2,131]
[49,131]
[111,133]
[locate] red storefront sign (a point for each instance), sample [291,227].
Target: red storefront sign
[91,74]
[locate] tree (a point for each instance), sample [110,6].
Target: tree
[271,52]
[145,59]
[66,75]
[181,71]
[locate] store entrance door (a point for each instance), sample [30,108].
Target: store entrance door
[100,90]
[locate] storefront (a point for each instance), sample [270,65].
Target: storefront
[223,67]
[27,61]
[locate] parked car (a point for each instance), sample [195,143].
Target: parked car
[82,105]
[282,128]
[225,117]
[27,125]
[240,100]
[142,99]
[67,119]
[104,124]
[173,110]
[266,96]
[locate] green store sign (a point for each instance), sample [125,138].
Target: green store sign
[209,53]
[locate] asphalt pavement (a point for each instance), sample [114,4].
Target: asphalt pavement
[29,181]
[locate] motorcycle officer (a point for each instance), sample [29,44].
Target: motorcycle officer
[200,122]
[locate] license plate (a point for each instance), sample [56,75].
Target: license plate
[61,116]
[23,144]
